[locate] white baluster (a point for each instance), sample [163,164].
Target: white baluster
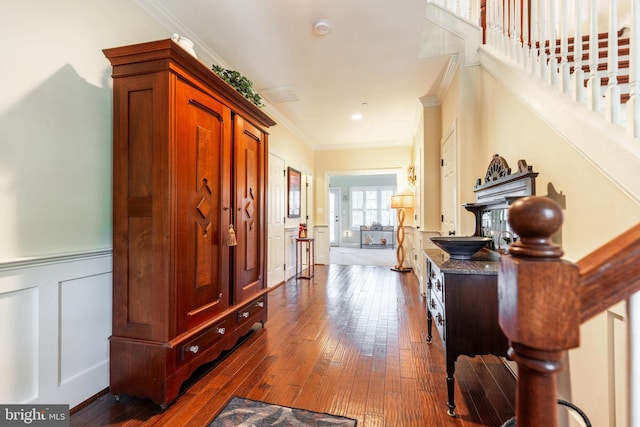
[594,91]
[473,11]
[565,77]
[516,45]
[515,30]
[553,56]
[489,24]
[491,15]
[633,105]
[542,23]
[578,72]
[612,94]
[534,51]
[526,37]
[521,23]
[505,27]
[497,24]
[512,29]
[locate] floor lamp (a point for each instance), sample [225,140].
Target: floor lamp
[401,202]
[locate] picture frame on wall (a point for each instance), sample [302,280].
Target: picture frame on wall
[294,186]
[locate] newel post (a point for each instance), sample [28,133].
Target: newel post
[539,308]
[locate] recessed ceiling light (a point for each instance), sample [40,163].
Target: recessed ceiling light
[356,116]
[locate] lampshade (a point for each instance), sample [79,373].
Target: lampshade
[402,201]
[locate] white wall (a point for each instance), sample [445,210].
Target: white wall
[56,122]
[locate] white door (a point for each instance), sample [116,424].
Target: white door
[275,227]
[334,216]
[448,171]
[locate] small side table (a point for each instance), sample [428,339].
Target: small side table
[305,246]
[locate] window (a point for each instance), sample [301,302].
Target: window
[371,204]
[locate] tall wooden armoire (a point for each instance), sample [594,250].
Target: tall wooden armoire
[189,175]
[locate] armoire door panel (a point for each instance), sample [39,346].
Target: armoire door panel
[199,154]
[249,183]
[141,262]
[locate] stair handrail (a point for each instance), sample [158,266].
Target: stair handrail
[543,300]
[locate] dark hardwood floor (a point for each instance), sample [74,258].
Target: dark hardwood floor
[350,342]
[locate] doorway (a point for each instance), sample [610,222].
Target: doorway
[275,226]
[449,184]
[334,216]
[355,199]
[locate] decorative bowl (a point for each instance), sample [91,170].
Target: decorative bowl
[459,247]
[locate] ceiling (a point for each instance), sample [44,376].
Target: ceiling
[379,58]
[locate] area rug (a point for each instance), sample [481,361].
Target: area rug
[383,257]
[246,412]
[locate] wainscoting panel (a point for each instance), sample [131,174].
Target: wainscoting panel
[19,338]
[55,323]
[618,368]
[321,235]
[290,255]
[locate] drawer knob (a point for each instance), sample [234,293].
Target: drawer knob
[260,304]
[194,349]
[245,314]
[221,331]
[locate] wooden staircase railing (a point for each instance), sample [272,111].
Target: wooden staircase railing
[544,299]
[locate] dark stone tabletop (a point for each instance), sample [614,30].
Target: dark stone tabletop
[482,262]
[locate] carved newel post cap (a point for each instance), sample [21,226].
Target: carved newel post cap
[535,219]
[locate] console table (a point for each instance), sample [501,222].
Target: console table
[463,300]
[379,231]
[305,251]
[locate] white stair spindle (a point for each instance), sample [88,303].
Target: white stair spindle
[473,11]
[553,56]
[524,33]
[594,91]
[489,23]
[578,72]
[633,105]
[542,23]
[511,25]
[565,77]
[612,95]
[517,31]
[505,27]
[495,23]
[533,30]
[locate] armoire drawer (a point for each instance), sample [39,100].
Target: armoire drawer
[204,340]
[250,310]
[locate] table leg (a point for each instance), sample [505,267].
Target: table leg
[451,367]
